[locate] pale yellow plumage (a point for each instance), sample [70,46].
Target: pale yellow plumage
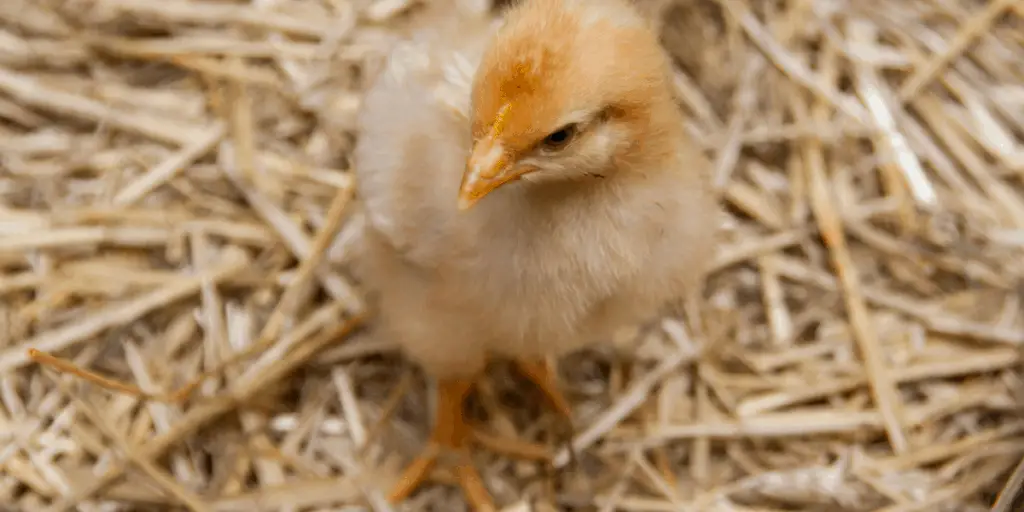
[566,238]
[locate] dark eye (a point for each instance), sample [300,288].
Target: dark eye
[560,137]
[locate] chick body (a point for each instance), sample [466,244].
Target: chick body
[535,268]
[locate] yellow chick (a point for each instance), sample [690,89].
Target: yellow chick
[527,189]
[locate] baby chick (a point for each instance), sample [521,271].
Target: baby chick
[526,193]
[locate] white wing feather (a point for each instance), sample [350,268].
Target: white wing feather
[414,128]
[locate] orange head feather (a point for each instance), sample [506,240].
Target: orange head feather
[556,65]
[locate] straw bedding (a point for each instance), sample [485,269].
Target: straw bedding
[176,203]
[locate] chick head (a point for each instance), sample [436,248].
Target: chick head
[567,90]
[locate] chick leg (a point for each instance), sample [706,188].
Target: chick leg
[541,374]
[450,433]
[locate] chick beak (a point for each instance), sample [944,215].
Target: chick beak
[489,167]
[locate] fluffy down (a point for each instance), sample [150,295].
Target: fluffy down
[537,267]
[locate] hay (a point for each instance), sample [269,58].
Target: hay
[175,215]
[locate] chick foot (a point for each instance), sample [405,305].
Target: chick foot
[451,433]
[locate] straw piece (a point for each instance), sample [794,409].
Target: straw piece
[773,425]
[183,50]
[213,13]
[870,89]
[33,92]
[300,493]
[822,201]
[1012,496]
[166,170]
[65,366]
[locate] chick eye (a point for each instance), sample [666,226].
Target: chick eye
[560,137]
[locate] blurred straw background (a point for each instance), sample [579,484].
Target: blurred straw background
[174,202]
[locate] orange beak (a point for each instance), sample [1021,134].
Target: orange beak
[489,167]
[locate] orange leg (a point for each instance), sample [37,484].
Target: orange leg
[542,375]
[450,433]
